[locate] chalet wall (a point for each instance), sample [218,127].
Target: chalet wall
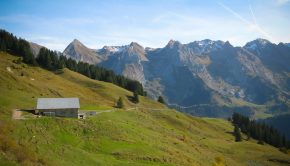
[69,112]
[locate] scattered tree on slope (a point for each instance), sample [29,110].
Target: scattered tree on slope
[135,97]
[120,103]
[237,134]
[161,100]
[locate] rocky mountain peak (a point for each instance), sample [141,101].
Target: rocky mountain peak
[76,42]
[78,51]
[262,41]
[136,47]
[35,48]
[172,43]
[135,44]
[257,44]
[206,46]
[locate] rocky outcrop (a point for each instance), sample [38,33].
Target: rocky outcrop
[79,52]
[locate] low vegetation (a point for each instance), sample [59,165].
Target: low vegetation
[141,136]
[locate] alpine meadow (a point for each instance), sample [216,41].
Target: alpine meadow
[145,83]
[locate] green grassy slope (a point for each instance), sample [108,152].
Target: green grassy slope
[22,85]
[135,137]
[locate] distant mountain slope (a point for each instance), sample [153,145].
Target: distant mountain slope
[147,136]
[79,52]
[275,57]
[214,74]
[125,60]
[35,48]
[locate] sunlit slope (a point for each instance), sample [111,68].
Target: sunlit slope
[135,137]
[21,85]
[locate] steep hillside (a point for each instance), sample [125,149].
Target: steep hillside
[140,136]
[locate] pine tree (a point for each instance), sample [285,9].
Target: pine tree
[135,97]
[2,45]
[161,100]
[237,133]
[120,103]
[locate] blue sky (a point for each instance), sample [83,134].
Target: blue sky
[151,23]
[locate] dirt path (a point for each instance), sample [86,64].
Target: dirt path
[17,114]
[104,111]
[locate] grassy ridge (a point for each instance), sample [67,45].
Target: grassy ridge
[135,137]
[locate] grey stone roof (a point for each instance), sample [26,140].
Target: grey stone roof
[57,103]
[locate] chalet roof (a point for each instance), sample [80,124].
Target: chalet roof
[57,103]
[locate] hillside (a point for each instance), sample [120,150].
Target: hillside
[122,137]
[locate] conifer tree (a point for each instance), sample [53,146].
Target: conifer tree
[237,134]
[161,100]
[120,103]
[135,97]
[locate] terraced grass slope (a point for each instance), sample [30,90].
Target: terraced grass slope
[122,137]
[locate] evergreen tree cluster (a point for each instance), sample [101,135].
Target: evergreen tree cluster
[52,60]
[19,47]
[260,131]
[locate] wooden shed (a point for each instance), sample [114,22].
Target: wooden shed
[61,107]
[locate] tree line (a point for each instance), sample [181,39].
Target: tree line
[19,47]
[52,60]
[260,131]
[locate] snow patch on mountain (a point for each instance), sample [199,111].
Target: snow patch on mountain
[205,46]
[257,45]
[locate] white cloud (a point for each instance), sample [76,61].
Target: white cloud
[251,26]
[282,2]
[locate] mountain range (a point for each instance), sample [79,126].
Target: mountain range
[204,78]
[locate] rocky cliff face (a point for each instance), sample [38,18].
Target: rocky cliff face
[204,72]
[126,60]
[79,52]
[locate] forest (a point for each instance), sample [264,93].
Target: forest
[260,131]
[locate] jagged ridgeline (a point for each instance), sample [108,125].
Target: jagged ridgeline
[52,60]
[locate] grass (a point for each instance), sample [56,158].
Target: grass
[95,107]
[137,137]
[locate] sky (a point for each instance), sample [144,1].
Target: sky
[151,23]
